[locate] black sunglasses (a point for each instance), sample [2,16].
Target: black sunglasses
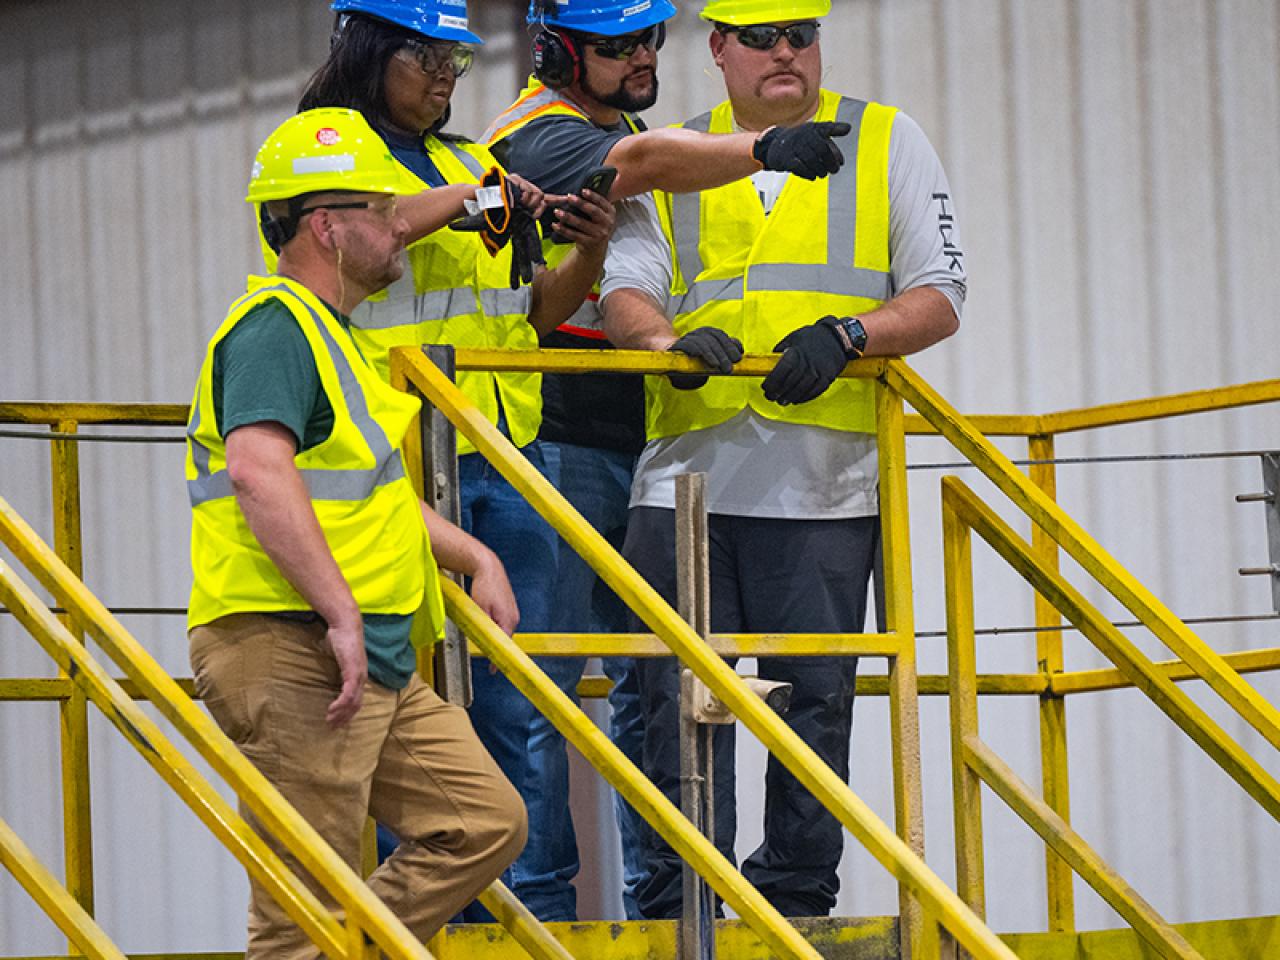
[622,48]
[765,36]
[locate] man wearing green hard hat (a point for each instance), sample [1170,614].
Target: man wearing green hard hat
[865,262]
[315,562]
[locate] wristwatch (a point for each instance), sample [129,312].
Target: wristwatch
[850,332]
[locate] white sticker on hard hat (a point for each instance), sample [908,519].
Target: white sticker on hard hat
[638,8]
[338,163]
[454,23]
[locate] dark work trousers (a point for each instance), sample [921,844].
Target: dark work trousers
[767,576]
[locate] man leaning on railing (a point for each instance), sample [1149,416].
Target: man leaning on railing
[312,554]
[823,271]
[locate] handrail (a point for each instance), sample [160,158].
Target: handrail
[960,501]
[368,912]
[577,361]
[911,871]
[1086,551]
[972,759]
[71,918]
[623,775]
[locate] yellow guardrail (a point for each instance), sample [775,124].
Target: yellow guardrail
[907,867]
[52,897]
[365,913]
[1052,684]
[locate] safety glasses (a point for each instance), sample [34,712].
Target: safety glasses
[435,57]
[383,209]
[625,46]
[765,36]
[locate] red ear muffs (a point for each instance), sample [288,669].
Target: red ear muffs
[557,59]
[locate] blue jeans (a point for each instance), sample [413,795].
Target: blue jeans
[496,514]
[598,484]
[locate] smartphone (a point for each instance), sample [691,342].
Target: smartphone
[598,181]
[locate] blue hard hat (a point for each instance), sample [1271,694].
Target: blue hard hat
[437,19]
[607,18]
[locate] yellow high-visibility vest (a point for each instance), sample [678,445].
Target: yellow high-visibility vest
[367,508]
[823,249]
[454,292]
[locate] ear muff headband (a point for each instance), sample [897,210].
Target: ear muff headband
[557,58]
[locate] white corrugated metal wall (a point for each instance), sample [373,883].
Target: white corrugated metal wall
[1117,168]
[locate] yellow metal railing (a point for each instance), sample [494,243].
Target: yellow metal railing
[896,380]
[918,883]
[366,915]
[1053,683]
[974,762]
[54,899]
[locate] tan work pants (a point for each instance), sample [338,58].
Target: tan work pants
[408,759]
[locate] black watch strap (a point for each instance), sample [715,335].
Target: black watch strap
[851,334]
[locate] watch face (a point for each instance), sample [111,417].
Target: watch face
[857,334]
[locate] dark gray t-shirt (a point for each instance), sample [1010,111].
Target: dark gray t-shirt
[556,152]
[592,410]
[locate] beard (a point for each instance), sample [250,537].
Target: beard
[622,98]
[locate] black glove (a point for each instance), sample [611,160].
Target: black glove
[712,346]
[812,358]
[509,223]
[806,150]
[526,248]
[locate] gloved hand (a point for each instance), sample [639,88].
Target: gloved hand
[812,358]
[712,346]
[507,221]
[526,248]
[806,150]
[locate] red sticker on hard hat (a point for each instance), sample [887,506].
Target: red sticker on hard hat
[327,136]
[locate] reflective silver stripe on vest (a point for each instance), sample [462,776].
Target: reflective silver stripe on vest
[400,311]
[820,278]
[352,485]
[707,291]
[837,276]
[686,215]
[466,159]
[502,302]
[520,111]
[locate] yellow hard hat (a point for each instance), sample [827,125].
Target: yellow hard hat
[329,148]
[743,13]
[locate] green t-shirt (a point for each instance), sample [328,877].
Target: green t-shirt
[264,371]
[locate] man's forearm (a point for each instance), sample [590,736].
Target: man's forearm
[557,294]
[633,321]
[910,322]
[680,161]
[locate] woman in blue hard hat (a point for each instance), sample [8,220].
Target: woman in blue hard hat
[398,62]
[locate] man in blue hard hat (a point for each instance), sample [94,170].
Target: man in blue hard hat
[595,67]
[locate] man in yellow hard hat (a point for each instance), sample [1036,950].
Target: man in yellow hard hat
[312,554]
[865,262]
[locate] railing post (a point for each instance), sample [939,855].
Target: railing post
[440,470]
[1053,707]
[904,708]
[697,929]
[74,711]
[962,687]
